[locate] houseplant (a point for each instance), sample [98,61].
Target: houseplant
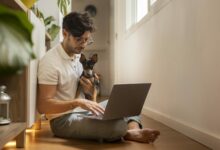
[15,41]
[51,27]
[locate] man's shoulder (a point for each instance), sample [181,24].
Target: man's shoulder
[52,53]
[53,50]
[51,58]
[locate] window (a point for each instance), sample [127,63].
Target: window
[136,10]
[142,9]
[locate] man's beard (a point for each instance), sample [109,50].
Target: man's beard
[76,50]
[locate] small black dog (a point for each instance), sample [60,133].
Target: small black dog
[89,73]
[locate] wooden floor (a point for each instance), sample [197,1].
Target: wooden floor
[168,140]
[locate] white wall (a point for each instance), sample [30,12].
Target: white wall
[38,38]
[178,51]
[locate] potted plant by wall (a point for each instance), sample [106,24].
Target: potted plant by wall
[51,27]
[15,41]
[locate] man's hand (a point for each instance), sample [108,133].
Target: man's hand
[94,107]
[87,85]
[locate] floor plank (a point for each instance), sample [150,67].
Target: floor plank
[168,140]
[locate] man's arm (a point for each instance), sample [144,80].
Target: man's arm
[46,102]
[48,105]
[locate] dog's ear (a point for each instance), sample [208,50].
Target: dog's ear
[82,58]
[94,58]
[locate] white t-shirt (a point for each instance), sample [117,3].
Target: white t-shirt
[58,68]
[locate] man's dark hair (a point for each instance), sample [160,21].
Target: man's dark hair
[78,23]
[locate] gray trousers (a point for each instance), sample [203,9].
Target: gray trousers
[74,125]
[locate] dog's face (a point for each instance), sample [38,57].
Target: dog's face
[88,64]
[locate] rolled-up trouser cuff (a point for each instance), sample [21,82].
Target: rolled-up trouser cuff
[135,119]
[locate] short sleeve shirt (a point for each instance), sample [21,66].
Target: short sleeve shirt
[58,68]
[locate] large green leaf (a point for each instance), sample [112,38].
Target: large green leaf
[63,6]
[48,20]
[53,31]
[15,40]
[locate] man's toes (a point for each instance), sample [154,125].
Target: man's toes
[151,140]
[157,132]
[153,137]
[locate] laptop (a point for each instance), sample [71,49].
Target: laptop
[125,100]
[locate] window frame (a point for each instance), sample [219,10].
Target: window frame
[152,10]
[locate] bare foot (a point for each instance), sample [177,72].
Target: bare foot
[142,135]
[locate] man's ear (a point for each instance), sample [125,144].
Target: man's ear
[82,58]
[94,58]
[65,33]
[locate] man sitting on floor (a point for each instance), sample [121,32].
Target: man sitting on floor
[58,76]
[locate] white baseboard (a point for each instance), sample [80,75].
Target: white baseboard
[207,139]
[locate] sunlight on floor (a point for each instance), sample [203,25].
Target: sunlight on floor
[30,137]
[10,144]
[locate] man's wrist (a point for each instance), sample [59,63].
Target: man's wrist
[75,103]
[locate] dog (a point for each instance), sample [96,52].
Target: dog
[88,72]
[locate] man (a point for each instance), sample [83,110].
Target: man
[58,76]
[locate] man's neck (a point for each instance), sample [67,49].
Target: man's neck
[66,50]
